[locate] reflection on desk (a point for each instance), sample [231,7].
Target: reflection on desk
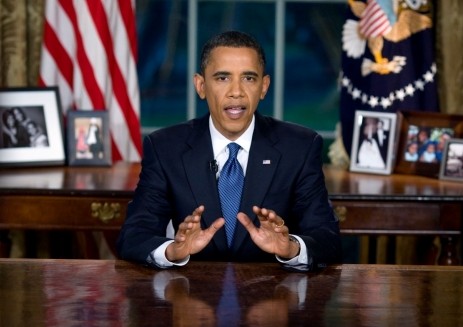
[114,293]
[257,300]
[120,178]
[48,179]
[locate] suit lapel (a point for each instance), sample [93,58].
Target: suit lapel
[201,179]
[262,164]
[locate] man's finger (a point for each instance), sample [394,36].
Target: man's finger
[198,211]
[216,225]
[246,222]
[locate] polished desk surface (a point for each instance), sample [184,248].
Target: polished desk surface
[41,292]
[345,185]
[121,179]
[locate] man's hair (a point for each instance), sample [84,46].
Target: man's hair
[232,39]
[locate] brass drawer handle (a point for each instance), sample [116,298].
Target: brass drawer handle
[105,211]
[341,212]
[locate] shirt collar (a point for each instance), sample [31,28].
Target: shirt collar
[220,142]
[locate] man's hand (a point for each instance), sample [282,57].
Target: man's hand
[272,236]
[190,238]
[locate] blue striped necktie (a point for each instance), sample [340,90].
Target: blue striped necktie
[230,185]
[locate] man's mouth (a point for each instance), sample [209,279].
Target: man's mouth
[234,111]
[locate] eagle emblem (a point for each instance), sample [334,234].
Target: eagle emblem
[380,20]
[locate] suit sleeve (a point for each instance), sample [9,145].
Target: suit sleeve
[149,212]
[317,226]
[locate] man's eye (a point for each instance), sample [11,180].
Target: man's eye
[249,78]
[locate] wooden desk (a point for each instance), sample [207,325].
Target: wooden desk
[368,204]
[95,198]
[76,198]
[38,292]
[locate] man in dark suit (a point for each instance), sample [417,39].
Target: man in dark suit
[284,212]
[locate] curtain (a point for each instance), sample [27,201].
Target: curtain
[449,47]
[21,24]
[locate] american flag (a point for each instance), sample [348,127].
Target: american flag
[374,21]
[89,51]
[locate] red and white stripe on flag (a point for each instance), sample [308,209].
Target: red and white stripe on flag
[89,51]
[374,21]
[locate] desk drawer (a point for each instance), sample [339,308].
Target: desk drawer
[364,217]
[62,212]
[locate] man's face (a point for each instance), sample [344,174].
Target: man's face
[233,84]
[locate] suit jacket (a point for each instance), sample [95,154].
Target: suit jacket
[284,173]
[383,144]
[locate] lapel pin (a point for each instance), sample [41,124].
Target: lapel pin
[266,162]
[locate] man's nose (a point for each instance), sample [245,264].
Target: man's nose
[236,89]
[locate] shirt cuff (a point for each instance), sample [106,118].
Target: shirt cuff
[158,257]
[301,259]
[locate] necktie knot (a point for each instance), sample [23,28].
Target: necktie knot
[233,148]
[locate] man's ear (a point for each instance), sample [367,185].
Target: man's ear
[198,81]
[265,86]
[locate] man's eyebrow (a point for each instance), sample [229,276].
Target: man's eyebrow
[222,73]
[245,73]
[250,73]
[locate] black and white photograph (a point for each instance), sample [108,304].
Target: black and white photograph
[451,167]
[373,142]
[88,138]
[23,127]
[31,127]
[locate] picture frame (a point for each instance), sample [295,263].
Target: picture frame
[451,166]
[424,134]
[374,142]
[88,138]
[32,127]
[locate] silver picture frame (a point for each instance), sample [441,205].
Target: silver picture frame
[32,127]
[451,166]
[374,142]
[88,138]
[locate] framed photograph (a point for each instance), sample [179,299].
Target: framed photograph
[422,140]
[88,138]
[374,142]
[32,129]
[451,166]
